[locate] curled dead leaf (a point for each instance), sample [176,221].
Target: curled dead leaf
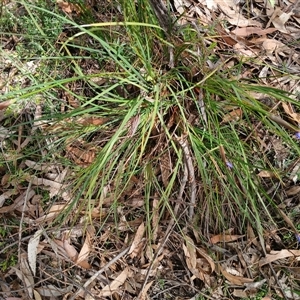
[237,280]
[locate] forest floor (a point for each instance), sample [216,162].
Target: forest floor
[150,150]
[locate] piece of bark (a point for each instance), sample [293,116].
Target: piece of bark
[163,15]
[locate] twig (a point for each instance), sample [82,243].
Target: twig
[21,221]
[191,177]
[105,268]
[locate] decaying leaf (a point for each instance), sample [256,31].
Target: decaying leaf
[113,287]
[32,250]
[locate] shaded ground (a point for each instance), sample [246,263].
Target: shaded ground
[141,246]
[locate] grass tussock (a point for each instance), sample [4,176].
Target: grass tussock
[113,123]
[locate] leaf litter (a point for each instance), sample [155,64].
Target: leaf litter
[186,263]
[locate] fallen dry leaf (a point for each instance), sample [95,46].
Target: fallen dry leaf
[237,280]
[82,155]
[294,190]
[37,295]
[225,238]
[279,18]
[136,244]
[275,255]
[198,261]
[54,291]
[54,187]
[239,293]
[70,250]
[54,211]
[234,115]
[266,174]
[68,7]
[270,45]
[143,293]
[190,256]
[18,202]
[241,50]
[7,195]
[245,31]
[290,111]
[82,259]
[73,255]
[287,220]
[113,287]
[33,250]
[25,275]
[232,12]
[251,238]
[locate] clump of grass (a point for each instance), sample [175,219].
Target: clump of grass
[163,112]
